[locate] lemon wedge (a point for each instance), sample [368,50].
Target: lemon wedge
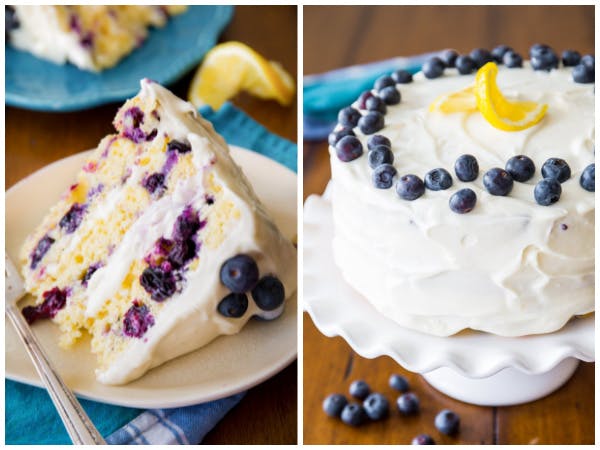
[497,110]
[232,67]
[460,101]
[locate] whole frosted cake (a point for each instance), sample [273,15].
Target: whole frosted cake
[92,37]
[159,245]
[463,197]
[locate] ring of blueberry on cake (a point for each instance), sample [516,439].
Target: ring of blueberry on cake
[158,246]
[463,195]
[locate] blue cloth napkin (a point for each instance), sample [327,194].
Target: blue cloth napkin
[325,94]
[30,415]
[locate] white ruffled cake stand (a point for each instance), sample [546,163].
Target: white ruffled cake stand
[473,367]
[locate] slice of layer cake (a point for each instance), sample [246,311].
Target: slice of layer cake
[90,37]
[160,244]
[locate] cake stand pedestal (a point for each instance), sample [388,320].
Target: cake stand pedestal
[473,367]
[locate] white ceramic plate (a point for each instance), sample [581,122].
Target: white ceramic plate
[338,310]
[227,365]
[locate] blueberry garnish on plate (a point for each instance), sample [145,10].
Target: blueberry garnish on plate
[466,168]
[239,273]
[521,168]
[348,148]
[556,168]
[233,305]
[269,293]
[463,201]
[383,176]
[498,181]
[410,187]
[588,178]
[438,179]
[547,191]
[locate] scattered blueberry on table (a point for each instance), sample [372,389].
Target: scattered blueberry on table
[408,404]
[334,404]
[376,406]
[359,389]
[399,383]
[354,414]
[423,439]
[547,191]
[447,422]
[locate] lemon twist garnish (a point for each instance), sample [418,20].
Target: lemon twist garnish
[486,97]
[232,67]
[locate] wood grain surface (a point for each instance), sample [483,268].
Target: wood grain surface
[340,36]
[268,413]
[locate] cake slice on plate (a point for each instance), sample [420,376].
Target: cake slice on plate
[159,245]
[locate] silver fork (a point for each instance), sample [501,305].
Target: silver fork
[76,421]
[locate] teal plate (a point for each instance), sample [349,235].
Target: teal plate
[166,55]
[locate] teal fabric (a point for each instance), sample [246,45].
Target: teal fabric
[30,415]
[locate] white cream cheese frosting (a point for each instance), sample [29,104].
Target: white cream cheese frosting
[189,319]
[509,267]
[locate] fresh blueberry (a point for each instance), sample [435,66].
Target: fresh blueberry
[159,283]
[376,406]
[377,140]
[438,179]
[348,148]
[334,404]
[54,300]
[512,59]
[390,95]
[410,187]
[233,305]
[556,168]
[447,422]
[547,191]
[380,155]
[72,219]
[179,146]
[571,58]
[466,168]
[588,61]
[465,65]
[40,250]
[539,49]
[376,104]
[423,439]
[433,68]
[362,99]
[588,178]
[521,168]
[154,182]
[583,74]
[269,293]
[408,404]
[335,136]
[448,57]
[354,414]
[498,181]
[348,117]
[463,201]
[239,273]
[544,59]
[383,82]
[402,77]
[137,320]
[359,389]
[383,176]
[399,383]
[371,123]
[498,53]
[481,57]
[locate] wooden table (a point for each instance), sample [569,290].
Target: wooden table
[268,413]
[340,36]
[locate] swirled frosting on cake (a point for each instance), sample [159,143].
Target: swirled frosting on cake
[511,266]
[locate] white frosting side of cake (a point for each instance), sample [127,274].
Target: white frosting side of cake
[508,267]
[190,319]
[39,32]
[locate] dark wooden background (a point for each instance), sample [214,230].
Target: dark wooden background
[268,413]
[340,36]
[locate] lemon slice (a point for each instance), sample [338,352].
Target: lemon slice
[497,110]
[233,67]
[460,101]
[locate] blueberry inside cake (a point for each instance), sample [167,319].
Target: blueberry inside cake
[92,37]
[158,246]
[463,195]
